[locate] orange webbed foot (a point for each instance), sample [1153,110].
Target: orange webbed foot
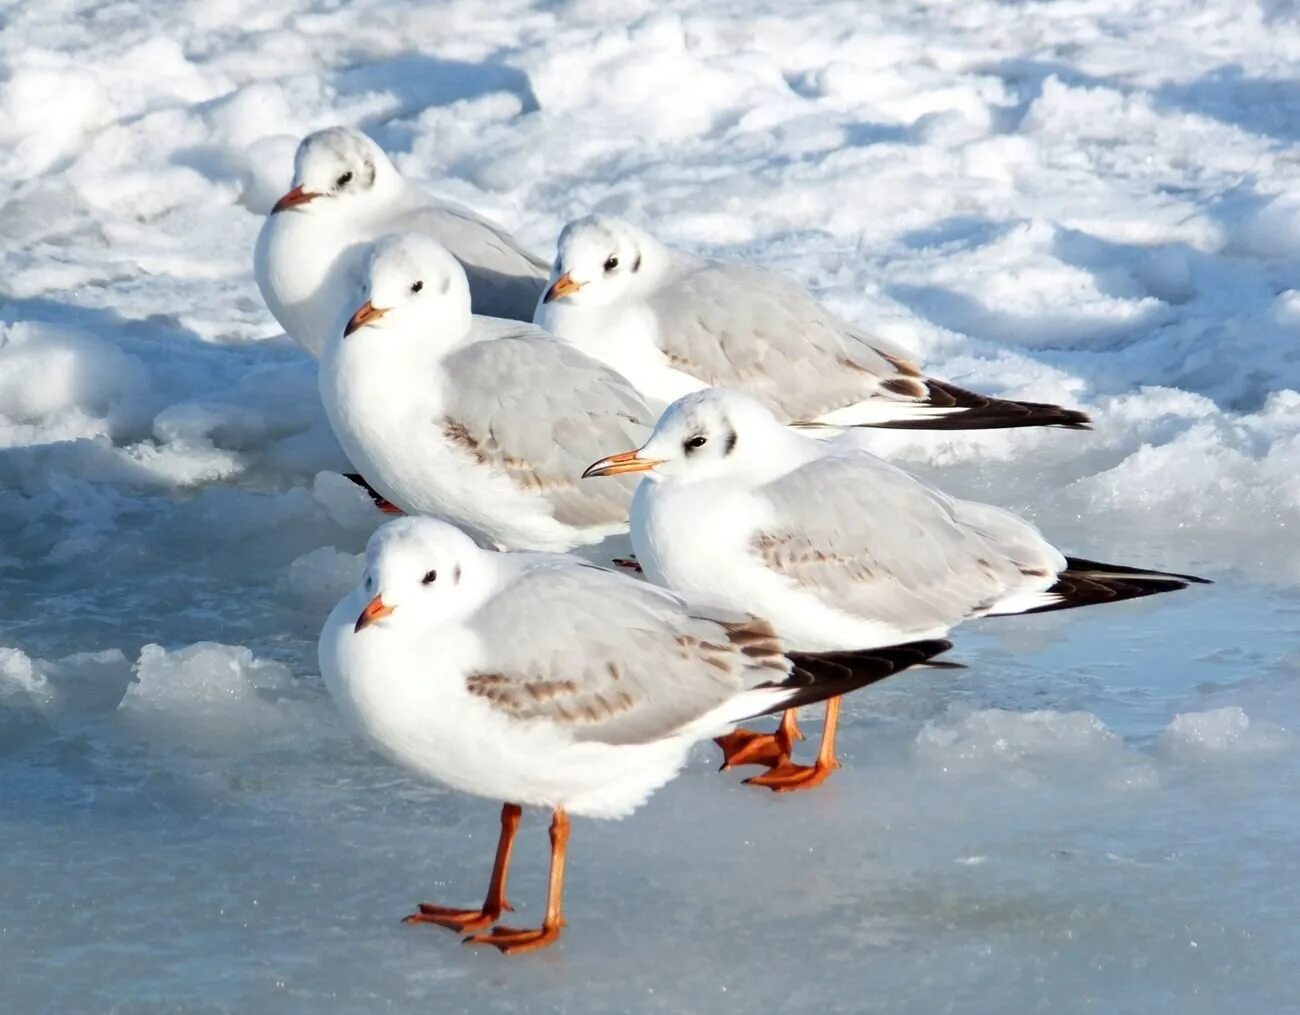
[459,920]
[746,747]
[790,778]
[509,940]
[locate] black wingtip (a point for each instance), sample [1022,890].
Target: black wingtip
[1082,564]
[821,675]
[972,411]
[1089,582]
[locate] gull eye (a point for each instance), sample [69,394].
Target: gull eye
[429,578]
[611,264]
[417,286]
[344,180]
[698,441]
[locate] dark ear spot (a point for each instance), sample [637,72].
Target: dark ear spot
[636,265]
[368,173]
[446,283]
[455,575]
[730,444]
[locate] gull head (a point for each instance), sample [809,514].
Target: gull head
[410,277]
[598,260]
[710,434]
[335,170]
[420,571]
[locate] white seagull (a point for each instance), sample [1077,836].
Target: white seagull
[484,422]
[346,192]
[836,548]
[542,680]
[672,323]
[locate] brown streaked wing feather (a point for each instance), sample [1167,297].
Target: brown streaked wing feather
[540,411]
[612,659]
[881,545]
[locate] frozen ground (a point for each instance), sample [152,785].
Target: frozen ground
[1088,201]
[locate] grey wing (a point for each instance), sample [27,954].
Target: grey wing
[541,412]
[505,279]
[869,539]
[612,659]
[738,326]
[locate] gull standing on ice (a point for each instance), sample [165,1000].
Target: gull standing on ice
[836,548]
[484,422]
[346,192]
[672,323]
[542,680]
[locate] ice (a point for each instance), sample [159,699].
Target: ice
[1091,202]
[1026,747]
[1222,731]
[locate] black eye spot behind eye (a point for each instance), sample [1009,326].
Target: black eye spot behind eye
[344,180]
[698,441]
[417,286]
[429,577]
[611,264]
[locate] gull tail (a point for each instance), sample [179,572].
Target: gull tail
[945,406]
[820,675]
[1087,582]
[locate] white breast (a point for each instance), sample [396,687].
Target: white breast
[302,266]
[408,697]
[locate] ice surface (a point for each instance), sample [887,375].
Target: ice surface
[1092,202]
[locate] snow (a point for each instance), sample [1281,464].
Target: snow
[1088,201]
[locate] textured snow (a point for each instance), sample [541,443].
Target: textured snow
[1094,202]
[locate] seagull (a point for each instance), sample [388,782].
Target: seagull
[836,548]
[485,422]
[347,192]
[545,681]
[673,324]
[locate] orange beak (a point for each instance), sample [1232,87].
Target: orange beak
[366,313]
[616,465]
[564,285]
[376,610]
[294,198]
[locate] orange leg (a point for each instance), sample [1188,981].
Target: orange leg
[511,940]
[788,777]
[745,747]
[495,903]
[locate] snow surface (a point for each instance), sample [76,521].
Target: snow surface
[1095,202]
